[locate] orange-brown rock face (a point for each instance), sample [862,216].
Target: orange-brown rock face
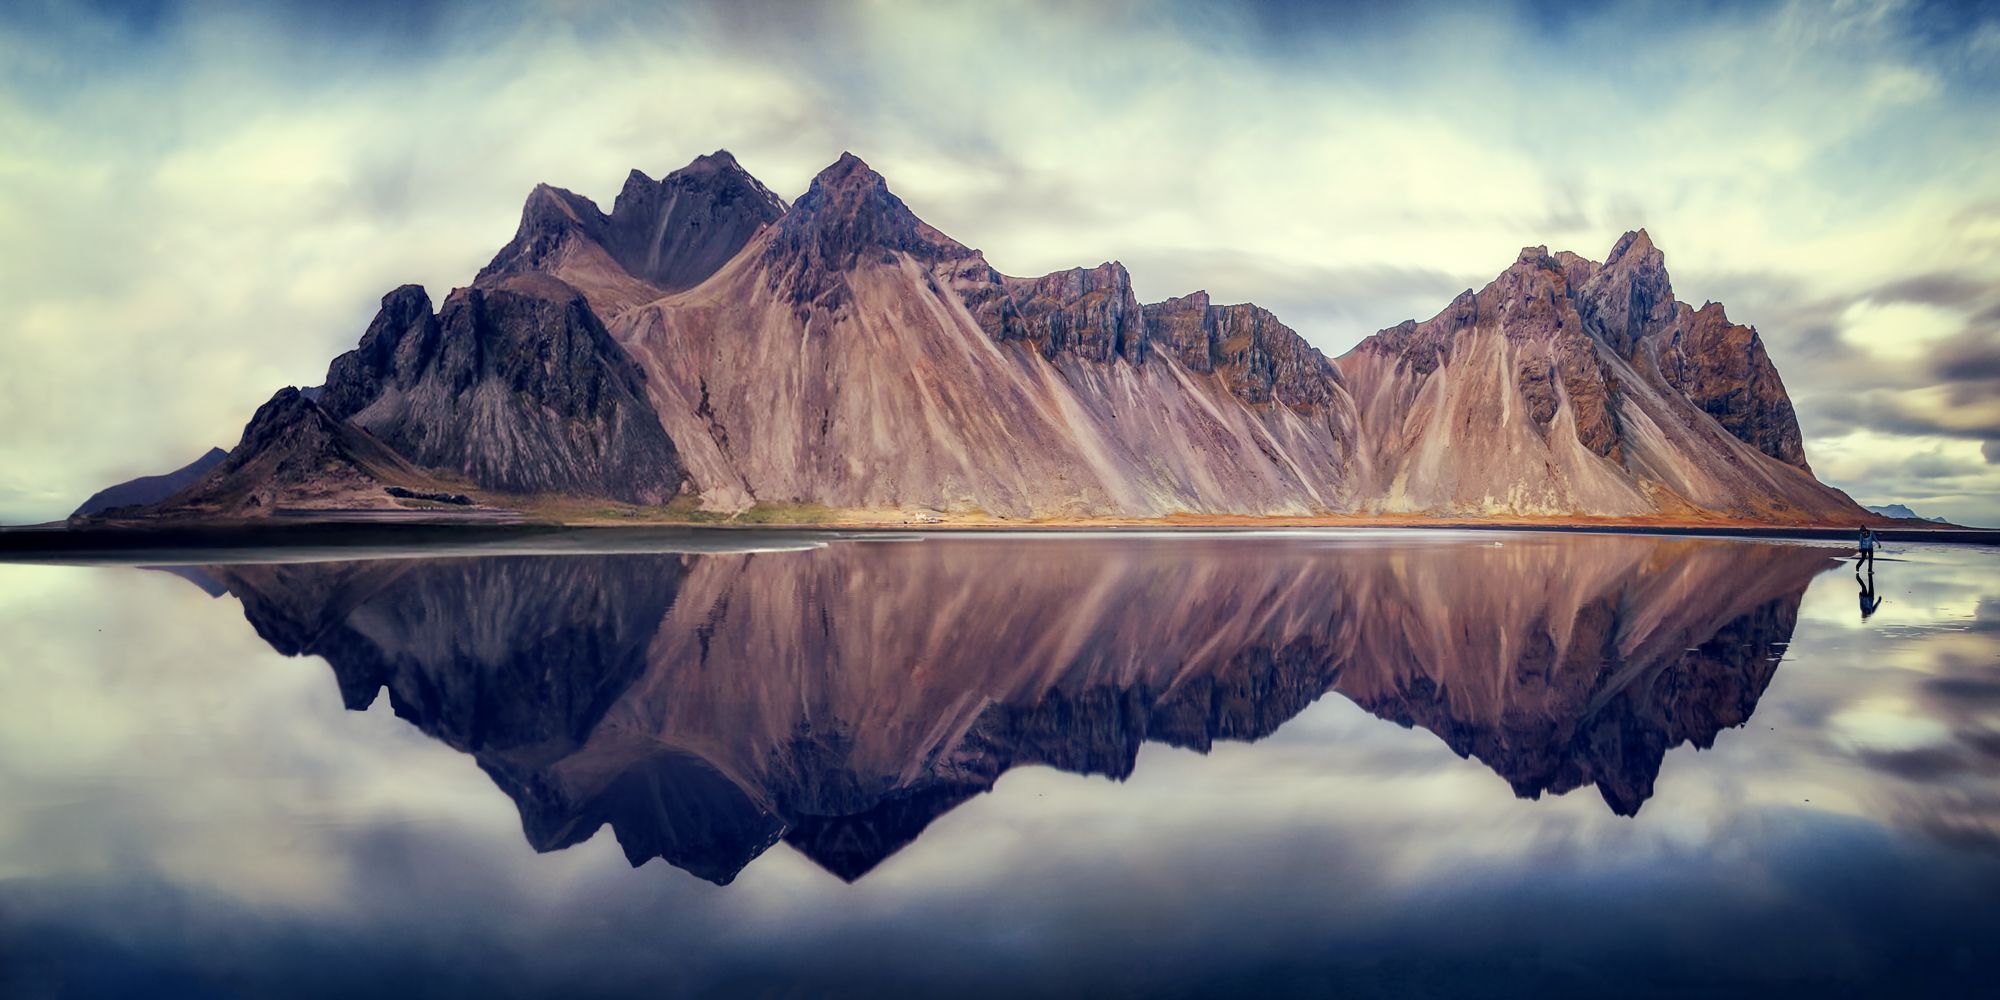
[854,356]
[1566,387]
[1260,359]
[1719,366]
[1722,368]
[707,706]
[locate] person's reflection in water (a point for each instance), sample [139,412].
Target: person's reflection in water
[1869,602]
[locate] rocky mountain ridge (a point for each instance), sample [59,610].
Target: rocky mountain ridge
[706,338]
[513,384]
[1571,387]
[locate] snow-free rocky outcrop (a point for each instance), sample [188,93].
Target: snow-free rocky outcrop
[1569,387]
[706,338]
[852,355]
[515,385]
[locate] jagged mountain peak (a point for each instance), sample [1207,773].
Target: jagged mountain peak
[850,209]
[661,236]
[850,171]
[551,219]
[1575,268]
[1256,356]
[1567,353]
[707,169]
[564,202]
[1637,245]
[675,232]
[1630,297]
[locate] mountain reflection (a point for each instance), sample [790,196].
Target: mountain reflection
[840,699]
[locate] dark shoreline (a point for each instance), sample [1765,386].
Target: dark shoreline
[46,543]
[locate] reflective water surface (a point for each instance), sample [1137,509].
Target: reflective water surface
[1292,764]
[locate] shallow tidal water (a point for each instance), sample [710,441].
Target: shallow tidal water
[1313,763]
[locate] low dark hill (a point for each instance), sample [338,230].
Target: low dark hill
[151,489]
[293,456]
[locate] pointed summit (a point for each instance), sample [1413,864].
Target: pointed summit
[849,218]
[1630,297]
[552,219]
[1637,244]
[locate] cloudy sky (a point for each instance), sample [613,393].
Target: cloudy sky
[201,201]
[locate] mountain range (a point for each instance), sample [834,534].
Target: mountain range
[1902,513]
[707,345]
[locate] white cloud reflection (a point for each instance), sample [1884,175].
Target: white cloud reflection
[158,756]
[203,200]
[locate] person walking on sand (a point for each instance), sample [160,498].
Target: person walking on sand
[1866,555]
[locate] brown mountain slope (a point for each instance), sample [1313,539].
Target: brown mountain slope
[1569,387]
[854,356]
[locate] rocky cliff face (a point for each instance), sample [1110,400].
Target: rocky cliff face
[1087,313]
[516,386]
[1567,387]
[1258,358]
[1719,366]
[1722,368]
[839,699]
